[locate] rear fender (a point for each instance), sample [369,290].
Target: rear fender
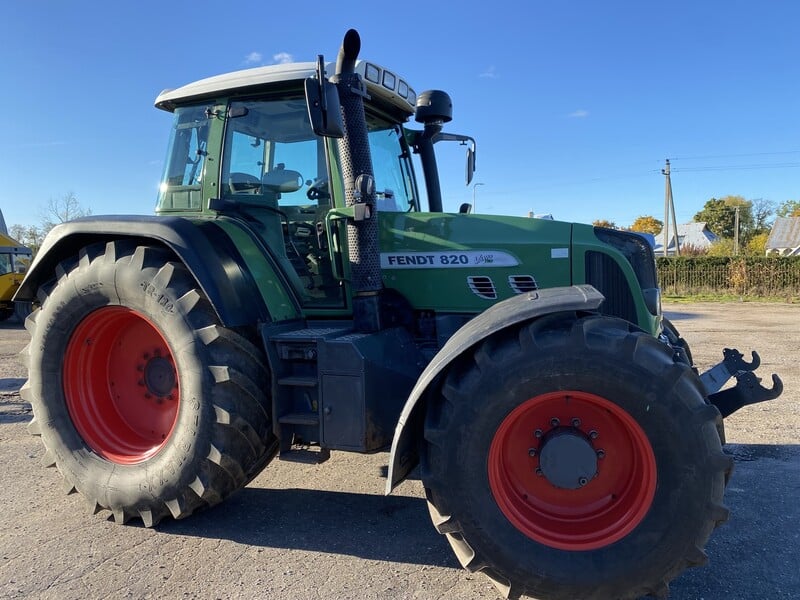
[525,307]
[203,247]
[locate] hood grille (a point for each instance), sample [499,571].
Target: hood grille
[522,284]
[482,286]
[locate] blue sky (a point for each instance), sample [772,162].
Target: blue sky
[575,104]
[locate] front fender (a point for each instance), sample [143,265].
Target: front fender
[518,309]
[203,247]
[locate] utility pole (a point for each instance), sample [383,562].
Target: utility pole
[669,207]
[736,231]
[475,185]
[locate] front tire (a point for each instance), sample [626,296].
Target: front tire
[572,458]
[146,404]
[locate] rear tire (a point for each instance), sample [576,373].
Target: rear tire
[641,487]
[146,404]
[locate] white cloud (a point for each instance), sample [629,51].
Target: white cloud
[489,73]
[282,58]
[579,114]
[253,57]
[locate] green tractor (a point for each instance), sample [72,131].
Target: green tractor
[291,297]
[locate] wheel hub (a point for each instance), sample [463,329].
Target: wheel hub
[567,459]
[159,376]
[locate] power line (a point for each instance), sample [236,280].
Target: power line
[735,155]
[787,165]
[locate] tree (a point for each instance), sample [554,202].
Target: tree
[604,223]
[647,224]
[61,210]
[720,214]
[789,208]
[762,210]
[27,235]
[757,246]
[58,210]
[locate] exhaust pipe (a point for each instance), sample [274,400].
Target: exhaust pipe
[348,53]
[359,177]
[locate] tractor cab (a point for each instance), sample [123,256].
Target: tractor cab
[253,155]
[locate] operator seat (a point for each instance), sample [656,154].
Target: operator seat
[243,183]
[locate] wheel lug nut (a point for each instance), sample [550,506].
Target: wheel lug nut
[593,434]
[576,422]
[141,382]
[537,433]
[532,452]
[554,422]
[539,471]
[601,453]
[582,481]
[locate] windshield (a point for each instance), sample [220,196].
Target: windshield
[394,183]
[5,264]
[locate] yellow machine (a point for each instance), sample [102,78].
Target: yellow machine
[14,261]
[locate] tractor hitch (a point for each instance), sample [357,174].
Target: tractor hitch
[748,388]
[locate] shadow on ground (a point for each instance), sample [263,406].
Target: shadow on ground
[11,384]
[395,529]
[674,315]
[761,496]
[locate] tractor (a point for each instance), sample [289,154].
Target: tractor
[291,297]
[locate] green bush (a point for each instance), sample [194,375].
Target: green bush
[757,276]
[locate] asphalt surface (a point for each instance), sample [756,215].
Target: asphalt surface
[327,532]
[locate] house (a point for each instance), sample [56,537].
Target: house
[695,235]
[784,239]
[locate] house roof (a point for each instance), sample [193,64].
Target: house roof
[785,233]
[695,234]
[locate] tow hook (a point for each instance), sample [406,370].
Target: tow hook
[748,388]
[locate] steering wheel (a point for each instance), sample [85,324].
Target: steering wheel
[318,189]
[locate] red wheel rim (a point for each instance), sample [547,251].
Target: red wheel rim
[121,385]
[600,508]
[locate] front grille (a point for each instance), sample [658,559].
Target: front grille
[605,275]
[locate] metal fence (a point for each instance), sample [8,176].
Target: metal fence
[748,276]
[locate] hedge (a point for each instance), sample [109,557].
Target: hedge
[742,275]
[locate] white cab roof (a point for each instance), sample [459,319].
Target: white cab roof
[380,81]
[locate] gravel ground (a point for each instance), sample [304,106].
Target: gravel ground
[320,532]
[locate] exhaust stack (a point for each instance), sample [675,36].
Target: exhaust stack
[359,178]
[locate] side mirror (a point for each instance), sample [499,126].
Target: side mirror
[470,164]
[322,100]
